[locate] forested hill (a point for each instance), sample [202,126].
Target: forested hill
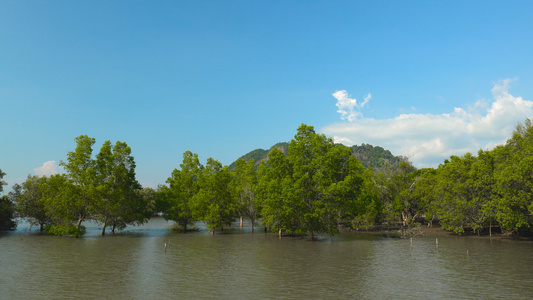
[370,156]
[259,155]
[376,157]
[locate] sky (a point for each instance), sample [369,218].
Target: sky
[423,79]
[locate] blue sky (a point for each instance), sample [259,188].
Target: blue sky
[221,78]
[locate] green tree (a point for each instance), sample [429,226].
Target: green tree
[149,196]
[465,184]
[118,202]
[7,208]
[7,213]
[242,185]
[362,206]
[395,191]
[485,169]
[514,180]
[81,170]
[2,182]
[313,188]
[213,203]
[61,198]
[320,169]
[183,185]
[274,192]
[30,203]
[424,194]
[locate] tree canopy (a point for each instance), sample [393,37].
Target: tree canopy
[308,186]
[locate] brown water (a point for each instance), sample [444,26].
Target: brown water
[241,265]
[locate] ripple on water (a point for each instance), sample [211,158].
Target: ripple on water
[235,264]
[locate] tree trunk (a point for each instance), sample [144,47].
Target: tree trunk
[279,233]
[79,223]
[252,227]
[113,229]
[185,228]
[103,228]
[42,227]
[241,221]
[311,235]
[213,231]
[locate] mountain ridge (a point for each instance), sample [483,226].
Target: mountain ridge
[375,157]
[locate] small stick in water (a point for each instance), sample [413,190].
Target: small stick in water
[437,243]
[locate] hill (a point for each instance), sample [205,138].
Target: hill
[259,155]
[376,157]
[370,156]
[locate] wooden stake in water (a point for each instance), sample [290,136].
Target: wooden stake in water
[437,243]
[165,248]
[411,242]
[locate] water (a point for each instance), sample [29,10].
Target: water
[237,264]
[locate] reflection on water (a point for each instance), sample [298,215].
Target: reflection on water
[240,264]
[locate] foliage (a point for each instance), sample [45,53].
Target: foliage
[7,213]
[307,190]
[242,187]
[311,185]
[274,192]
[514,180]
[30,203]
[2,182]
[117,202]
[7,208]
[213,203]
[60,196]
[103,189]
[61,230]
[81,171]
[176,200]
[394,189]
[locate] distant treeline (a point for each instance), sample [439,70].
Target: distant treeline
[310,185]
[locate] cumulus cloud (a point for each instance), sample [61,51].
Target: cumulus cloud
[48,168]
[428,139]
[348,107]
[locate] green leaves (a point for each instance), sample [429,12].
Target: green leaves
[2,182]
[213,202]
[30,203]
[104,189]
[243,184]
[183,186]
[312,188]
[472,192]
[118,202]
[7,213]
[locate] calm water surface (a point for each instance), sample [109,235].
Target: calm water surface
[237,264]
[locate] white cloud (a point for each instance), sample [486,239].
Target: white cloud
[347,106]
[48,168]
[428,139]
